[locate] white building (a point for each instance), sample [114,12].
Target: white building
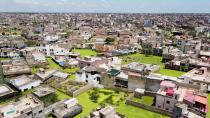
[90,75]
[39,57]
[51,38]
[50,50]
[168,95]
[86,35]
[23,82]
[115,62]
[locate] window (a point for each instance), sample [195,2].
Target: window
[168,102]
[158,106]
[176,97]
[99,80]
[86,75]
[167,109]
[29,113]
[40,111]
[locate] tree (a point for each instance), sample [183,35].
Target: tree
[50,99]
[94,95]
[147,48]
[31,42]
[109,40]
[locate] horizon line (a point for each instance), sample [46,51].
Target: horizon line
[107,12]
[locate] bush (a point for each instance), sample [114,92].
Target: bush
[117,91]
[108,100]
[49,99]
[94,95]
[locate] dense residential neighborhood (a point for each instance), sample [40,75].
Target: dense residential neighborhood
[104,65]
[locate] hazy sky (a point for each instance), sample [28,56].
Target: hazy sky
[122,6]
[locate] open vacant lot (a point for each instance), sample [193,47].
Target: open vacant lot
[144,100]
[85,52]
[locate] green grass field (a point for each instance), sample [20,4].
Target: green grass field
[169,72]
[34,70]
[62,96]
[119,104]
[145,100]
[53,65]
[72,77]
[85,52]
[151,60]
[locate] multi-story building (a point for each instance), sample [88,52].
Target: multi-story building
[168,95]
[90,75]
[15,67]
[67,109]
[27,107]
[23,82]
[105,112]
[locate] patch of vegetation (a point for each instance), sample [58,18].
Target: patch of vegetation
[62,96]
[169,72]
[118,99]
[144,100]
[72,77]
[108,100]
[35,69]
[16,97]
[1,72]
[31,43]
[94,95]
[50,99]
[85,52]
[53,65]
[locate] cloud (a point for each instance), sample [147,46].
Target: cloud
[28,2]
[45,3]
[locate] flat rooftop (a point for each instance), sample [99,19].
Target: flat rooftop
[106,110]
[5,90]
[201,75]
[155,76]
[20,80]
[135,66]
[61,110]
[11,67]
[43,91]
[46,74]
[14,109]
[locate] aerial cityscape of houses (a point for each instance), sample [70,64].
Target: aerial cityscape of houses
[104,65]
